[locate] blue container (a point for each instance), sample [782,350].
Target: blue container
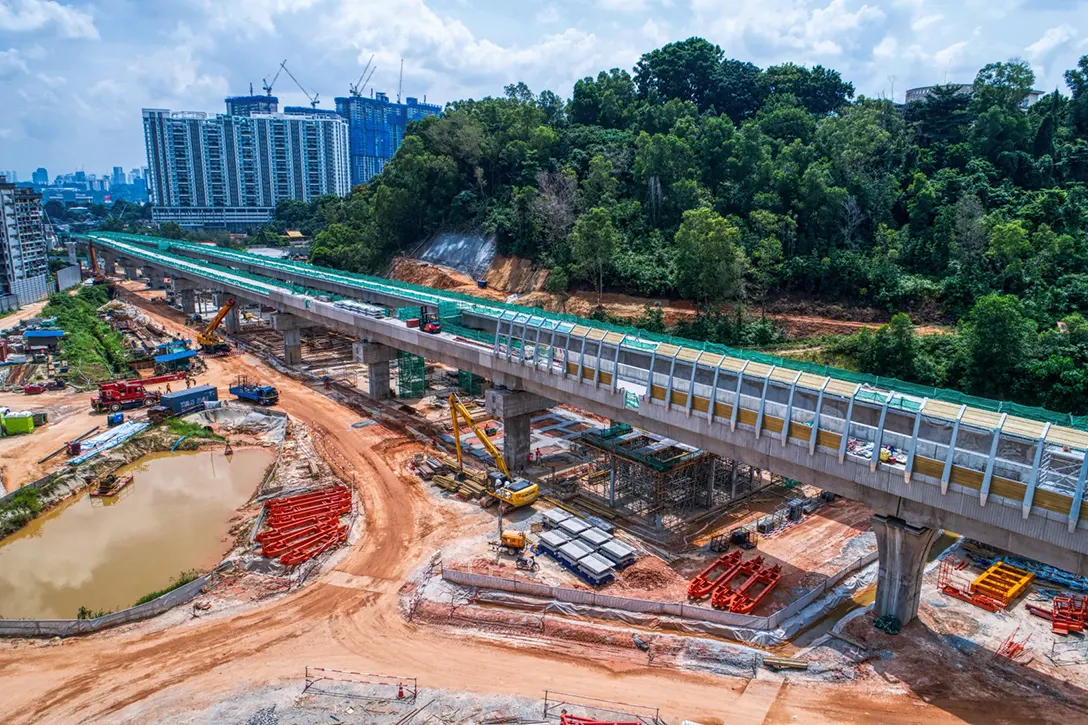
[190,399]
[115,419]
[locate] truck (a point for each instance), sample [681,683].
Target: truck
[118,395]
[254,392]
[181,402]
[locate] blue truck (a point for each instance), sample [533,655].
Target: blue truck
[181,402]
[254,392]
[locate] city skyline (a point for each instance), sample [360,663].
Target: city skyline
[82,70]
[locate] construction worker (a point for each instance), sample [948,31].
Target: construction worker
[168,387]
[188,383]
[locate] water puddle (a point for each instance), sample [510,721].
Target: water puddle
[107,553]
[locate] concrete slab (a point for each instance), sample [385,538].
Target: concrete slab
[553,517]
[552,540]
[596,565]
[574,551]
[618,551]
[595,537]
[573,526]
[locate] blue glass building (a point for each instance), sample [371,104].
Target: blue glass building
[376,128]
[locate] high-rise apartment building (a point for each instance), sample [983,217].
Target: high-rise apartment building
[377,129]
[40,177]
[251,105]
[23,264]
[117,178]
[229,171]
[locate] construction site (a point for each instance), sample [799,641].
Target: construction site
[638,578]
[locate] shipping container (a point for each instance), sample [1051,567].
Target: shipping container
[190,399]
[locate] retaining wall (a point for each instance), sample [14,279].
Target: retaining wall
[647,606]
[44,480]
[69,627]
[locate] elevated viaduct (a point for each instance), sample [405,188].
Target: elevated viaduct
[1014,481]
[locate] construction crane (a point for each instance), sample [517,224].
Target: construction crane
[268,86]
[400,82]
[356,88]
[97,276]
[513,492]
[212,343]
[314,99]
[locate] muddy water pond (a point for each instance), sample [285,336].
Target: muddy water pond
[105,553]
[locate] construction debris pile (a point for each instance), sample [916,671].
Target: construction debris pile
[29,357]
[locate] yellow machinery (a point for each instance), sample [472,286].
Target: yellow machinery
[95,273]
[209,341]
[514,493]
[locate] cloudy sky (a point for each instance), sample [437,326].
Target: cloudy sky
[74,74]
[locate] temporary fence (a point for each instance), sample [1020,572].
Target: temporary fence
[70,627]
[561,705]
[360,685]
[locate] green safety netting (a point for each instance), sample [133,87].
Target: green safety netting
[468,382]
[411,375]
[464,302]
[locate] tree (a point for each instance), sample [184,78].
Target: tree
[606,101]
[599,188]
[819,90]
[1003,85]
[555,204]
[593,243]
[737,93]
[942,117]
[689,70]
[892,351]
[1077,80]
[710,263]
[998,338]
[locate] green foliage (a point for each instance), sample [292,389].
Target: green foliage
[19,510]
[85,613]
[710,262]
[593,242]
[188,429]
[94,351]
[179,581]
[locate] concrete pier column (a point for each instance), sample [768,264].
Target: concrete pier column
[376,357]
[156,276]
[71,246]
[515,409]
[292,346]
[291,327]
[903,550]
[188,300]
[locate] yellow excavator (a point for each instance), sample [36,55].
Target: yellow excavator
[512,492]
[209,341]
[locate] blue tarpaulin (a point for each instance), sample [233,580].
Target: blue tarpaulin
[174,356]
[43,334]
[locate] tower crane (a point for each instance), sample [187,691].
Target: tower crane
[356,88]
[313,99]
[268,86]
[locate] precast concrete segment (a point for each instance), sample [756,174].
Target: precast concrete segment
[502,402]
[1043,535]
[902,550]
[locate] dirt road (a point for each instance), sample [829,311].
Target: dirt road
[350,619]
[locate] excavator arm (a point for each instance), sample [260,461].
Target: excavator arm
[208,337]
[458,410]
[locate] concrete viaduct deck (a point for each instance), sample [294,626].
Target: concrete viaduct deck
[1013,482]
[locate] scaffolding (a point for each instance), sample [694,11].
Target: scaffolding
[468,382]
[659,482]
[411,375]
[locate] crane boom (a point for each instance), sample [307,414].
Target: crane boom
[208,336]
[458,409]
[268,86]
[360,82]
[314,98]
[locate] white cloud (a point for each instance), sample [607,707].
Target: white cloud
[623,6]
[11,64]
[247,17]
[23,16]
[886,48]
[948,56]
[1051,39]
[548,15]
[655,32]
[924,22]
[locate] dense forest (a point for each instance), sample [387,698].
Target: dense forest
[710,179]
